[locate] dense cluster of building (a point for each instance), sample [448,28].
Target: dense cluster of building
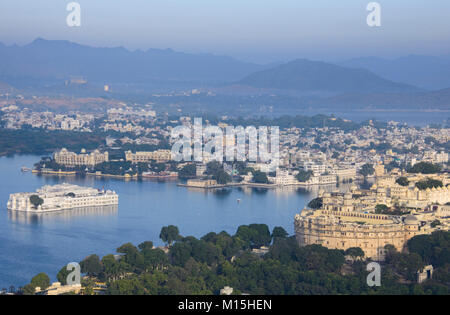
[331,154]
[387,191]
[328,155]
[320,156]
[14,118]
[351,219]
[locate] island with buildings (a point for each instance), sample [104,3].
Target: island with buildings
[61,197]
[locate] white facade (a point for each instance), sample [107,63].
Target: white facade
[65,157]
[345,174]
[316,168]
[145,157]
[283,178]
[62,197]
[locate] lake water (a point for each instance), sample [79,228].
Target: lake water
[30,244]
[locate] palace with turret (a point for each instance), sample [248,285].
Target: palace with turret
[350,219]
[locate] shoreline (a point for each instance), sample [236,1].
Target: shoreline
[102,175]
[52,210]
[173,178]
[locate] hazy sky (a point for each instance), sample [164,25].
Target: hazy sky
[258,30]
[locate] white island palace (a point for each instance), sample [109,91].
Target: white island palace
[61,197]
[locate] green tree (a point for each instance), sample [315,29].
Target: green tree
[188,171]
[381,209]
[366,170]
[429,183]
[402,181]
[255,235]
[159,167]
[142,167]
[130,286]
[241,167]
[91,265]
[222,177]
[303,176]
[316,203]
[392,165]
[204,252]
[260,177]
[355,253]
[180,253]
[36,201]
[213,167]
[425,168]
[262,236]
[147,245]
[279,232]
[434,249]
[169,234]
[41,280]
[390,249]
[112,268]
[62,275]
[155,259]
[29,289]
[132,256]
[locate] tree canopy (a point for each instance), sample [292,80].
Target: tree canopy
[366,170]
[303,176]
[424,168]
[169,234]
[402,181]
[91,265]
[206,265]
[316,203]
[260,177]
[429,183]
[36,201]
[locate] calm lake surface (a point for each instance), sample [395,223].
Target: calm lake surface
[30,244]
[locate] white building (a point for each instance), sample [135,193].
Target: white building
[62,197]
[67,158]
[345,174]
[283,178]
[441,157]
[314,167]
[145,157]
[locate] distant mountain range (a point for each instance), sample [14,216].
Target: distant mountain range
[306,75]
[423,71]
[368,82]
[58,60]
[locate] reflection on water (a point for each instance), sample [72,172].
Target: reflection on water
[279,191]
[64,215]
[222,192]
